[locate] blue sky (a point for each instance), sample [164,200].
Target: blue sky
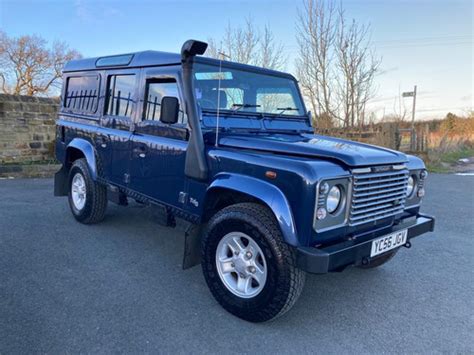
[428,43]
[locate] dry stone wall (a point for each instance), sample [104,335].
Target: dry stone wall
[27,132]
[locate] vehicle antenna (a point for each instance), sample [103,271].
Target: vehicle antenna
[221,55]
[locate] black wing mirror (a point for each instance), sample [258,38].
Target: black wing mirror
[169,109]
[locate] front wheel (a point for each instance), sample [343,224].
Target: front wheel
[248,267]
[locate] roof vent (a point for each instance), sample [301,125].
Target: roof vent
[114,61]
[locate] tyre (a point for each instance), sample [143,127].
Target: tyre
[248,267]
[379,261]
[87,198]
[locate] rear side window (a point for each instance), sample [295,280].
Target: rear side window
[82,94]
[121,95]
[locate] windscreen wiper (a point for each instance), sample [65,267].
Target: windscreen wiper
[284,109]
[241,106]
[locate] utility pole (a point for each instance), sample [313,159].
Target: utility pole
[413,134]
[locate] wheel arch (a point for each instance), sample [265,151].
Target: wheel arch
[248,189]
[81,148]
[77,149]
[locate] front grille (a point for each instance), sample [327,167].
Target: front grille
[377,195]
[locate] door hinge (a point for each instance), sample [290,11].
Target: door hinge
[182,197]
[126,178]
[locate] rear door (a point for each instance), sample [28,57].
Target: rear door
[120,108]
[159,149]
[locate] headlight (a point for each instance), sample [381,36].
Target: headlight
[410,186]
[333,199]
[331,204]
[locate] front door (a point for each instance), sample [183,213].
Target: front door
[158,148]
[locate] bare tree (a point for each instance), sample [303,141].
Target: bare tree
[28,67]
[316,34]
[249,45]
[335,64]
[357,66]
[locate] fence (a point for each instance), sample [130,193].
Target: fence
[388,135]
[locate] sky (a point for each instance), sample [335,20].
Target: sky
[428,43]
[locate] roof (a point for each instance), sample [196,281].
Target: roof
[154,58]
[138,59]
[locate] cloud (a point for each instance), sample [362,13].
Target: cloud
[86,13]
[82,11]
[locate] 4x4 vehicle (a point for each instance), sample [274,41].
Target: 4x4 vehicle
[228,151]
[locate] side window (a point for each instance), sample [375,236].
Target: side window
[82,94]
[121,95]
[155,91]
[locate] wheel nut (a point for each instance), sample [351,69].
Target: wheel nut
[248,255]
[232,264]
[236,253]
[252,269]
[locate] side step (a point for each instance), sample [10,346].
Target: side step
[116,196]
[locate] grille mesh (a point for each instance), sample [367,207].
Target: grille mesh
[377,195]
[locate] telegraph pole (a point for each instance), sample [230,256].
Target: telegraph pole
[413,134]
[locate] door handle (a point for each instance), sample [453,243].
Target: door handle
[102,142]
[140,151]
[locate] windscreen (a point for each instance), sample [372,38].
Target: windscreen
[245,92]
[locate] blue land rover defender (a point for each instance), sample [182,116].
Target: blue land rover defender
[228,151]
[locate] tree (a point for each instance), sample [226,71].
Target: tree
[335,65]
[29,67]
[357,65]
[316,34]
[249,45]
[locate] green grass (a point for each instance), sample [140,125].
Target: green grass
[437,168]
[437,162]
[453,157]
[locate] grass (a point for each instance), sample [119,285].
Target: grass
[453,157]
[442,162]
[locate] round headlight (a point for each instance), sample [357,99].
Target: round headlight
[410,186]
[334,199]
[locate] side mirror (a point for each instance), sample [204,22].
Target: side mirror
[169,109]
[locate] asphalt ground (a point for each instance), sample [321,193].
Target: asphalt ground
[119,287]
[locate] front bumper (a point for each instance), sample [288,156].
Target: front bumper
[357,250]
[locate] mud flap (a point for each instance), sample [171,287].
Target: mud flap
[192,246]
[61,182]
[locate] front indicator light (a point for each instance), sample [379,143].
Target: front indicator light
[421,192]
[324,188]
[321,213]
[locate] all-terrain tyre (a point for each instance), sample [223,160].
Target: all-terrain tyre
[87,198]
[381,260]
[248,267]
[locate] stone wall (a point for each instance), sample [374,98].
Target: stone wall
[27,133]
[27,129]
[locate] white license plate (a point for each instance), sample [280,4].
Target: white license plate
[388,242]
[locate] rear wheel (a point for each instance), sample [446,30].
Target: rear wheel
[87,198]
[248,267]
[381,260]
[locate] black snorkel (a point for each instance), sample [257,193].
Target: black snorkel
[196,163]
